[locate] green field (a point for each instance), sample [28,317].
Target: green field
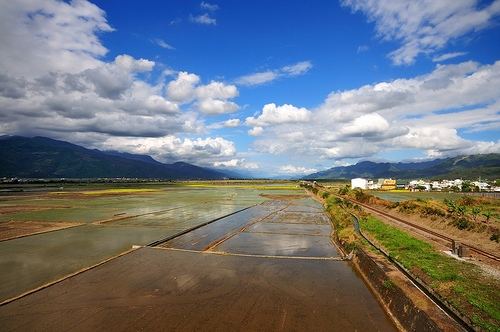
[397,196]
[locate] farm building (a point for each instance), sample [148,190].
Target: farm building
[359,183]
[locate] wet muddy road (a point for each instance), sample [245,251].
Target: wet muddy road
[271,267]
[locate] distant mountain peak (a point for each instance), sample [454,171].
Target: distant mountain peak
[42,157]
[473,166]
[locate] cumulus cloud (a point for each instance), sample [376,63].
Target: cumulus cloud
[421,113]
[64,36]
[182,89]
[170,148]
[272,114]
[424,27]
[211,106]
[289,169]
[216,90]
[297,69]
[65,91]
[211,97]
[366,125]
[236,163]
[256,131]
[158,104]
[232,123]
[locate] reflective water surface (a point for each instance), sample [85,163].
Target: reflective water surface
[257,269]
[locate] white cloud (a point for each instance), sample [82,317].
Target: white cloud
[203,19]
[208,6]
[256,131]
[272,114]
[64,36]
[216,90]
[257,78]
[289,169]
[211,106]
[366,125]
[297,69]
[363,48]
[182,89]
[162,43]
[232,123]
[300,68]
[64,91]
[421,113]
[424,27]
[447,56]
[236,163]
[210,97]
[160,105]
[447,87]
[339,163]
[170,148]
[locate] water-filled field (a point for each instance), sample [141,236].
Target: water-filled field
[258,259]
[106,224]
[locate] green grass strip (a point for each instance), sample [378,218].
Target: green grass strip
[458,281]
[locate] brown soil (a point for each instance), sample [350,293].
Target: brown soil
[172,290]
[14,229]
[287,198]
[27,208]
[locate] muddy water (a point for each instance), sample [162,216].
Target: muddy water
[162,289]
[32,261]
[205,237]
[193,291]
[258,290]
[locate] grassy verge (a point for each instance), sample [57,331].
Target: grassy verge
[463,284]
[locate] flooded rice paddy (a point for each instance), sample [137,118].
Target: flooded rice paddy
[265,262]
[112,224]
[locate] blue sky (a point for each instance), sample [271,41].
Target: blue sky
[265,88]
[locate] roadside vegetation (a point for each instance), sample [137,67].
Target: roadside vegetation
[469,213]
[463,285]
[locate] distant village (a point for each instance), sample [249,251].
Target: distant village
[420,185]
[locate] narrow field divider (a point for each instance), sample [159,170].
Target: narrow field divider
[173,236]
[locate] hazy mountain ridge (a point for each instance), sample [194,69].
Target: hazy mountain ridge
[42,157]
[469,167]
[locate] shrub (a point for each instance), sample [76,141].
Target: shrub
[495,237]
[407,206]
[462,223]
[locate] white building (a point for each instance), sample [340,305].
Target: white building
[359,183]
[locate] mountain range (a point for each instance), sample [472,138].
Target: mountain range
[42,157]
[470,167]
